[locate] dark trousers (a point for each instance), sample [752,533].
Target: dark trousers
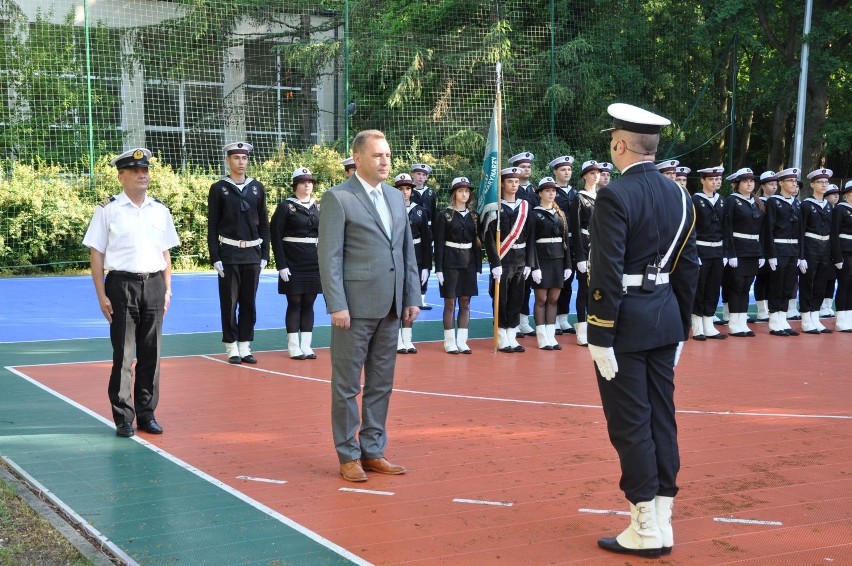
[563,305]
[782,284]
[582,296]
[511,296]
[237,294]
[707,290]
[525,305]
[640,419]
[136,329]
[812,284]
[738,288]
[761,283]
[843,300]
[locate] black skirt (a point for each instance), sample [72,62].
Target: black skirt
[459,282]
[552,274]
[300,283]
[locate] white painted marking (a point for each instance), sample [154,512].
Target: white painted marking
[483,502]
[604,511]
[367,491]
[264,480]
[747,521]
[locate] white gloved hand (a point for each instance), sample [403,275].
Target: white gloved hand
[604,358]
[760,263]
[424,276]
[527,271]
[724,261]
[536,275]
[677,353]
[263,264]
[440,277]
[773,263]
[497,272]
[581,266]
[839,265]
[699,262]
[220,269]
[802,264]
[733,262]
[566,275]
[284,274]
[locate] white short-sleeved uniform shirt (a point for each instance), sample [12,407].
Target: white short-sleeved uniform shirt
[132,238]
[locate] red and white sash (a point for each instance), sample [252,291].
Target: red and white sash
[516,230]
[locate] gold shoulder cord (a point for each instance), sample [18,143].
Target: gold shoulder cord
[686,239]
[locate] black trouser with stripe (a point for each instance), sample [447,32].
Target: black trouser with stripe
[237,296]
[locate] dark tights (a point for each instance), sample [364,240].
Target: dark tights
[449,311]
[545,305]
[300,312]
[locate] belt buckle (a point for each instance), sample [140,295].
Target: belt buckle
[242,243]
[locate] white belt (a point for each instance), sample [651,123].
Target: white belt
[570,234]
[584,232]
[816,236]
[846,236]
[636,280]
[785,241]
[519,246]
[549,241]
[415,241]
[708,244]
[746,236]
[240,243]
[300,240]
[457,245]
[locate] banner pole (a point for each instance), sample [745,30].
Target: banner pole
[499,183]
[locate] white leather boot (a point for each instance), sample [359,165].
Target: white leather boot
[541,337]
[233,353]
[550,330]
[817,324]
[710,329]
[664,507]
[698,328]
[400,344]
[502,341]
[511,335]
[561,322]
[244,349]
[808,326]
[293,347]
[305,345]
[642,537]
[792,311]
[726,313]
[762,311]
[825,309]
[844,321]
[581,328]
[407,334]
[524,325]
[461,340]
[450,345]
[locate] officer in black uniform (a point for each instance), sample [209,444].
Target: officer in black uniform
[238,241]
[841,257]
[832,195]
[709,209]
[816,252]
[643,268]
[526,191]
[427,198]
[130,236]
[565,194]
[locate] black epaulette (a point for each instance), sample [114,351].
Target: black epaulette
[161,202]
[106,201]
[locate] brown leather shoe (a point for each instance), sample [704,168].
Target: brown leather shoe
[352,471]
[383,466]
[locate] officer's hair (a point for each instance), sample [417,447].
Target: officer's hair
[645,144]
[362,137]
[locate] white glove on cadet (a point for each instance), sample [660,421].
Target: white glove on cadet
[527,271]
[284,274]
[566,274]
[424,276]
[497,272]
[773,263]
[760,263]
[536,275]
[581,266]
[220,269]
[802,264]
[839,265]
[263,264]
[733,262]
[677,353]
[440,277]
[604,358]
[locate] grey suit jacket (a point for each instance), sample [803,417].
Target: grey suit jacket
[361,269]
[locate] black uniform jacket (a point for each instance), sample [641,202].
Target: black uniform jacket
[742,218]
[418,219]
[549,225]
[451,226]
[841,232]
[782,233]
[428,200]
[515,257]
[239,216]
[816,220]
[708,225]
[292,219]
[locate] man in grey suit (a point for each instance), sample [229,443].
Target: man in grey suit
[369,280]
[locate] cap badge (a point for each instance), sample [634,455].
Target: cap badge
[138,154]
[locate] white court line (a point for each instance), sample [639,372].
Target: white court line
[747,521]
[484,502]
[208,478]
[264,480]
[603,511]
[367,491]
[533,402]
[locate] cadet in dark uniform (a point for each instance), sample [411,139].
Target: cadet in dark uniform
[550,229]
[782,240]
[681,176]
[515,259]
[457,263]
[643,268]
[130,236]
[422,237]
[832,195]
[238,242]
[579,218]
[426,197]
[606,173]
[767,185]
[841,257]
[348,166]
[668,168]
[565,194]
[295,228]
[709,210]
[741,226]
[816,252]
[526,191]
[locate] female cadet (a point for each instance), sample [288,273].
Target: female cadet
[295,226]
[418,219]
[741,226]
[709,210]
[580,214]
[816,252]
[457,263]
[841,257]
[832,195]
[550,230]
[767,185]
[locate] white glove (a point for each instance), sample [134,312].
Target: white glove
[733,262]
[802,264]
[566,275]
[527,271]
[605,360]
[424,276]
[284,274]
[440,277]
[773,263]
[839,265]
[581,266]
[724,261]
[699,262]
[760,263]
[497,272]
[263,264]
[220,269]
[536,275]
[677,353]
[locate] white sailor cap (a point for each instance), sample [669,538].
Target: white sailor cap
[741,175]
[606,166]
[590,165]
[711,171]
[460,182]
[545,183]
[302,174]
[820,174]
[832,190]
[634,119]
[403,179]
[791,173]
[238,148]
[421,167]
[510,173]
[348,163]
[562,161]
[682,171]
[525,157]
[767,176]
[668,165]
[846,188]
[136,157]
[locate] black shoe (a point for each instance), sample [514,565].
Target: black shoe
[235,360]
[507,350]
[826,316]
[402,351]
[557,346]
[814,331]
[125,430]
[150,426]
[570,330]
[797,317]
[519,348]
[548,347]
[666,550]
[311,357]
[778,333]
[466,351]
[718,336]
[249,359]
[826,331]
[412,350]
[532,333]
[558,332]
[761,320]
[426,308]
[699,337]
[612,545]
[791,332]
